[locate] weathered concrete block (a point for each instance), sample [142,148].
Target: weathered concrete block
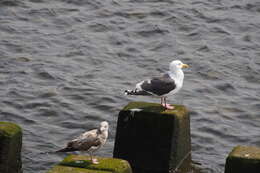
[82,164]
[151,138]
[10,148]
[69,169]
[243,159]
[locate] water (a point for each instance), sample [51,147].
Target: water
[64,66]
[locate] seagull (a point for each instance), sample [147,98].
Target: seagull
[167,84]
[89,141]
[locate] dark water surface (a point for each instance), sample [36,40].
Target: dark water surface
[64,65]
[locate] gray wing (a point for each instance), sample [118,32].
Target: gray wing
[159,85]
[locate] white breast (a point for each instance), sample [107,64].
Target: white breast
[178,77]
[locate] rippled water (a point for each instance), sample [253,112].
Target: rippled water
[64,65]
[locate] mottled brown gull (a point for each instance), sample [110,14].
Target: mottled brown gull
[89,141]
[167,84]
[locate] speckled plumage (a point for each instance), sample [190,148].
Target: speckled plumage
[89,141]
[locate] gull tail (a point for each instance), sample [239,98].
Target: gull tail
[48,152]
[129,92]
[58,151]
[67,149]
[136,92]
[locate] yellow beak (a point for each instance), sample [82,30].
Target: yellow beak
[185,66]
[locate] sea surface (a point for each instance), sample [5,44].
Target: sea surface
[64,65]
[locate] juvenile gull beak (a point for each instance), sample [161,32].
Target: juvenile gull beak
[185,66]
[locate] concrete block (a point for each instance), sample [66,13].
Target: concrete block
[10,148]
[82,164]
[243,159]
[69,169]
[151,138]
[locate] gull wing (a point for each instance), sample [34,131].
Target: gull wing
[159,85]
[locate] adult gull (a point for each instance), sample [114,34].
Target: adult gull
[167,84]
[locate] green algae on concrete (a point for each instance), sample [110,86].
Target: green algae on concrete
[179,110]
[152,138]
[69,169]
[243,159]
[10,150]
[105,164]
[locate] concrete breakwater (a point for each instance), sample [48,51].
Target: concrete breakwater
[149,139]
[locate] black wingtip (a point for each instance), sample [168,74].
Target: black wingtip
[127,92]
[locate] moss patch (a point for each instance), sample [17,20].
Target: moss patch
[246,152]
[105,164]
[243,159]
[67,169]
[8,129]
[155,108]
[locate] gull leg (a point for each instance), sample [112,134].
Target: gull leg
[86,153]
[167,106]
[163,101]
[93,160]
[82,161]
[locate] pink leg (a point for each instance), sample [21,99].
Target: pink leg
[167,106]
[162,101]
[93,160]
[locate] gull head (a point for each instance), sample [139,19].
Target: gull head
[104,126]
[177,64]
